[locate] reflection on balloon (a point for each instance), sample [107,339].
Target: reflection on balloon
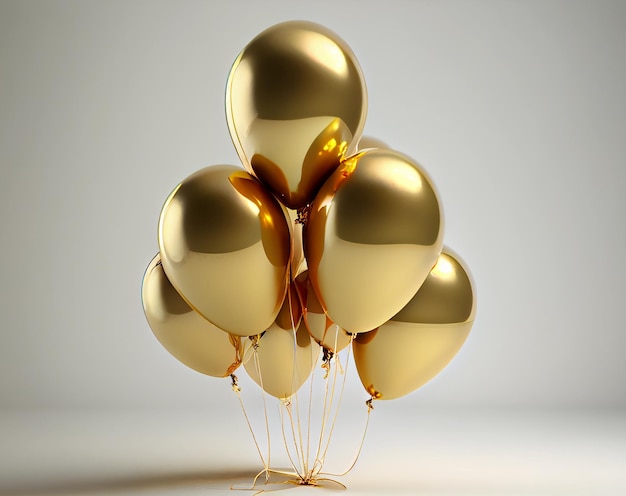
[225,246]
[374,232]
[190,338]
[323,330]
[295,105]
[417,343]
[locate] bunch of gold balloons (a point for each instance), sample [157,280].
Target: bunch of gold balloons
[322,242]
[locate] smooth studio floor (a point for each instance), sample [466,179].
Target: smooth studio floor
[443,452]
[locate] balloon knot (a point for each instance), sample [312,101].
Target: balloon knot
[376,395]
[303,215]
[370,404]
[235,383]
[255,341]
[327,356]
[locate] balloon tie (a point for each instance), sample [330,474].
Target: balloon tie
[235,383]
[255,341]
[303,215]
[327,356]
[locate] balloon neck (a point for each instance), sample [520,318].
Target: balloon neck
[235,383]
[255,340]
[375,395]
[327,356]
[303,215]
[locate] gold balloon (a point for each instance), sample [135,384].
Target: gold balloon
[190,338]
[417,343]
[290,313]
[281,360]
[225,246]
[374,232]
[323,330]
[295,105]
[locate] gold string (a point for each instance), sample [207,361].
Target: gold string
[282,426]
[343,386]
[257,367]
[370,407]
[303,475]
[237,390]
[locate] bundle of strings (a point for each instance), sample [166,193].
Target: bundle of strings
[307,422]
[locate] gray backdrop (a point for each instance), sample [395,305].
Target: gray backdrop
[516,109]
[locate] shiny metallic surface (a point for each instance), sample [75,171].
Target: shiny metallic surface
[290,313]
[446,297]
[373,234]
[282,361]
[225,246]
[417,343]
[323,330]
[191,339]
[295,104]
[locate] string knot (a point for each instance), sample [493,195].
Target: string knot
[235,383]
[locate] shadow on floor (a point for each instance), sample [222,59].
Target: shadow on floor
[224,481]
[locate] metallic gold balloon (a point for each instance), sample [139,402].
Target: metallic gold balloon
[374,232]
[295,105]
[225,247]
[323,330]
[417,343]
[281,360]
[290,313]
[190,338]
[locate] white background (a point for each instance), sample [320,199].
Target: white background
[516,109]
